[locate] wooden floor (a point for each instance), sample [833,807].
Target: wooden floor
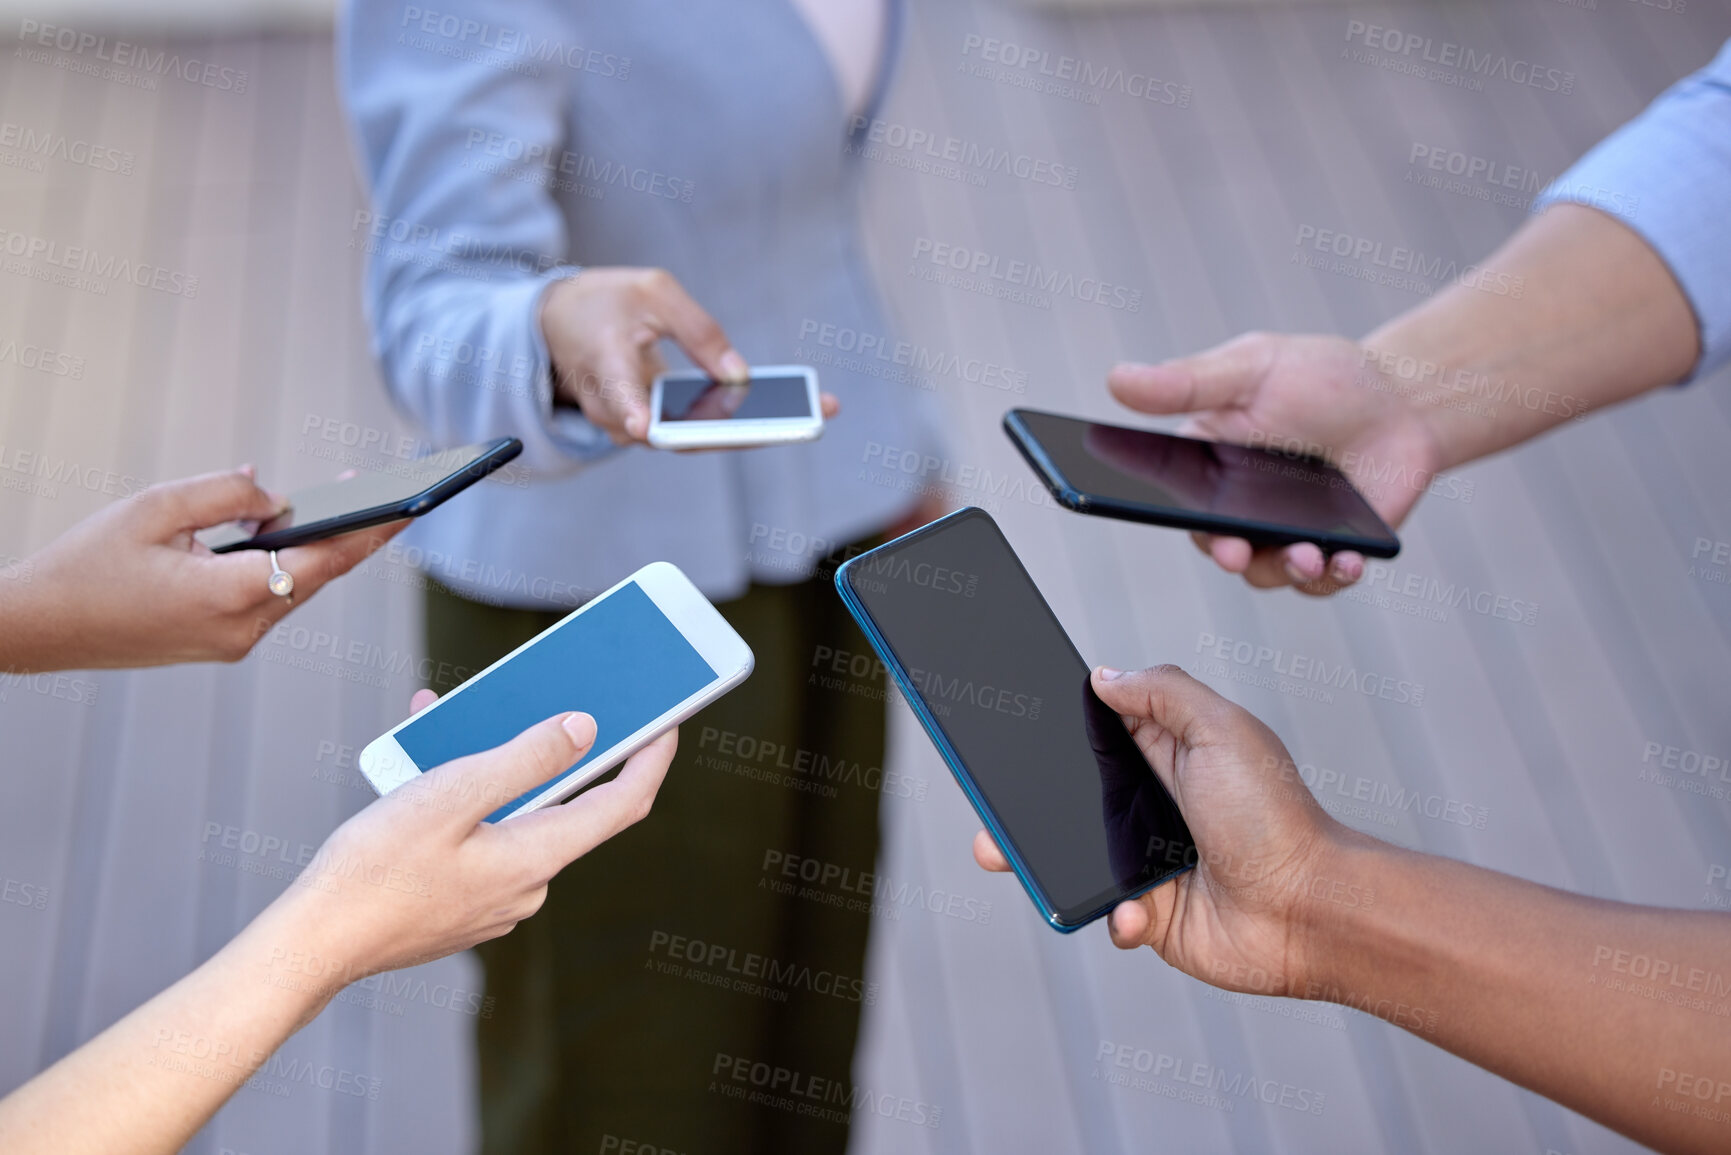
[119,807]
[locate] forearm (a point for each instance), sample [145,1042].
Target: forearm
[1615,1011]
[32,621]
[150,1081]
[1598,319]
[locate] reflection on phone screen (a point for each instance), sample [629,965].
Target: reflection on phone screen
[687,399]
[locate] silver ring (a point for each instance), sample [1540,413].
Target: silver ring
[282,582]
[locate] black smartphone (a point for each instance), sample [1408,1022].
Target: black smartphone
[1004,695]
[408,489]
[1267,498]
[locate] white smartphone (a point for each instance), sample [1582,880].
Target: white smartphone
[692,410]
[640,659]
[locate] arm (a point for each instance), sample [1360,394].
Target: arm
[129,585]
[1526,981]
[1583,308]
[413,877]
[481,325]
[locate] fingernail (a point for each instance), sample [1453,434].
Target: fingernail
[1294,574]
[1108,674]
[581,727]
[733,367]
[246,469]
[278,500]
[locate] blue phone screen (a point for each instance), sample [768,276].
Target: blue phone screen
[620,661]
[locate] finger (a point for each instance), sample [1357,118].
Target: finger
[987,854]
[1303,562]
[695,331]
[1132,923]
[420,700]
[200,502]
[1166,696]
[325,561]
[472,788]
[559,835]
[829,404]
[1223,377]
[1232,554]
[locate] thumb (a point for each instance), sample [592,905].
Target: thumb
[210,499]
[472,788]
[699,334]
[1224,377]
[1166,696]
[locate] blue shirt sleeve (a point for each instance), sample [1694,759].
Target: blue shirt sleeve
[1667,175]
[463,235]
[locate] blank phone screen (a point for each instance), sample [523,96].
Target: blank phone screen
[995,671]
[620,660]
[400,481]
[705,400]
[1183,474]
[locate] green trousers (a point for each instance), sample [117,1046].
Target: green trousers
[686,976]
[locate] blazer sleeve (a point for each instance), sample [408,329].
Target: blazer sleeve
[1667,175]
[455,116]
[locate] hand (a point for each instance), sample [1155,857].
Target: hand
[417,875]
[129,585]
[1316,395]
[1241,918]
[602,328]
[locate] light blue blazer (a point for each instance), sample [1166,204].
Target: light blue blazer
[505,144]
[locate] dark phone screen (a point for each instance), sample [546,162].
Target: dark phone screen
[402,481]
[763,397]
[1203,477]
[997,673]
